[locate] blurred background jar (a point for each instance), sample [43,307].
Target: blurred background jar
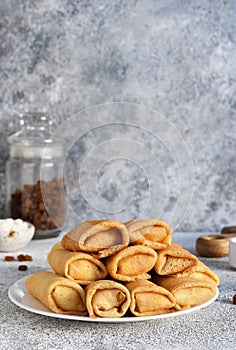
[35,184]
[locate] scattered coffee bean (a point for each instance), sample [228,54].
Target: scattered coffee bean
[9,258]
[234,299]
[20,257]
[28,258]
[22,267]
[23,257]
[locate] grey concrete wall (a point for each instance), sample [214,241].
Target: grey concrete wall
[175,57]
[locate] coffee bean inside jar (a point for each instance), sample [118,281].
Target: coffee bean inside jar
[35,182]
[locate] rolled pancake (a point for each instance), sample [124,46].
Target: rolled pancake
[59,294]
[152,233]
[79,267]
[107,299]
[100,237]
[188,291]
[132,263]
[204,273]
[149,299]
[175,260]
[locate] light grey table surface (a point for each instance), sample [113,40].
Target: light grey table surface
[213,327]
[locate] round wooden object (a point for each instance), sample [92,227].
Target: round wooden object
[228,230]
[213,245]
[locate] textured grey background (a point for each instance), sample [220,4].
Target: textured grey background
[176,57]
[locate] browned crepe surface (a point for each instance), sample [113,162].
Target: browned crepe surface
[100,237]
[57,293]
[204,273]
[107,298]
[149,299]
[188,292]
[175,260]
[131,263]
[153,233]
[80,267]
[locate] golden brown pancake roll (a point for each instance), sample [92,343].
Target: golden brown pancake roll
[175,260]
[59,294]
[132,263]
[204,273]
[188,291]
[148,299]
[102,238]
[79,267]
[107,299]
[152,233]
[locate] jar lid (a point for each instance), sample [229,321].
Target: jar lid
[34,140]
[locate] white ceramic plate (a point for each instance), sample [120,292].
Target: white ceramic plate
[22,298]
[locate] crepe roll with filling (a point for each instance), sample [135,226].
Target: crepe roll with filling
[175,260]
[131,263]
[107,298]
[57,293]
[149,299]
[102,238]
[204,273]
[155,234]
[79,267]
[187,291]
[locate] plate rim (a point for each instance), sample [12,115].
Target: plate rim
[19,286]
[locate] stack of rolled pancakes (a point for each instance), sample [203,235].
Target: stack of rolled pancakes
[106,268]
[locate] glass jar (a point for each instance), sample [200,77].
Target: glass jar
[35,184]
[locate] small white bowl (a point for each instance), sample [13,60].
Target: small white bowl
[15,234]
[232,252]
